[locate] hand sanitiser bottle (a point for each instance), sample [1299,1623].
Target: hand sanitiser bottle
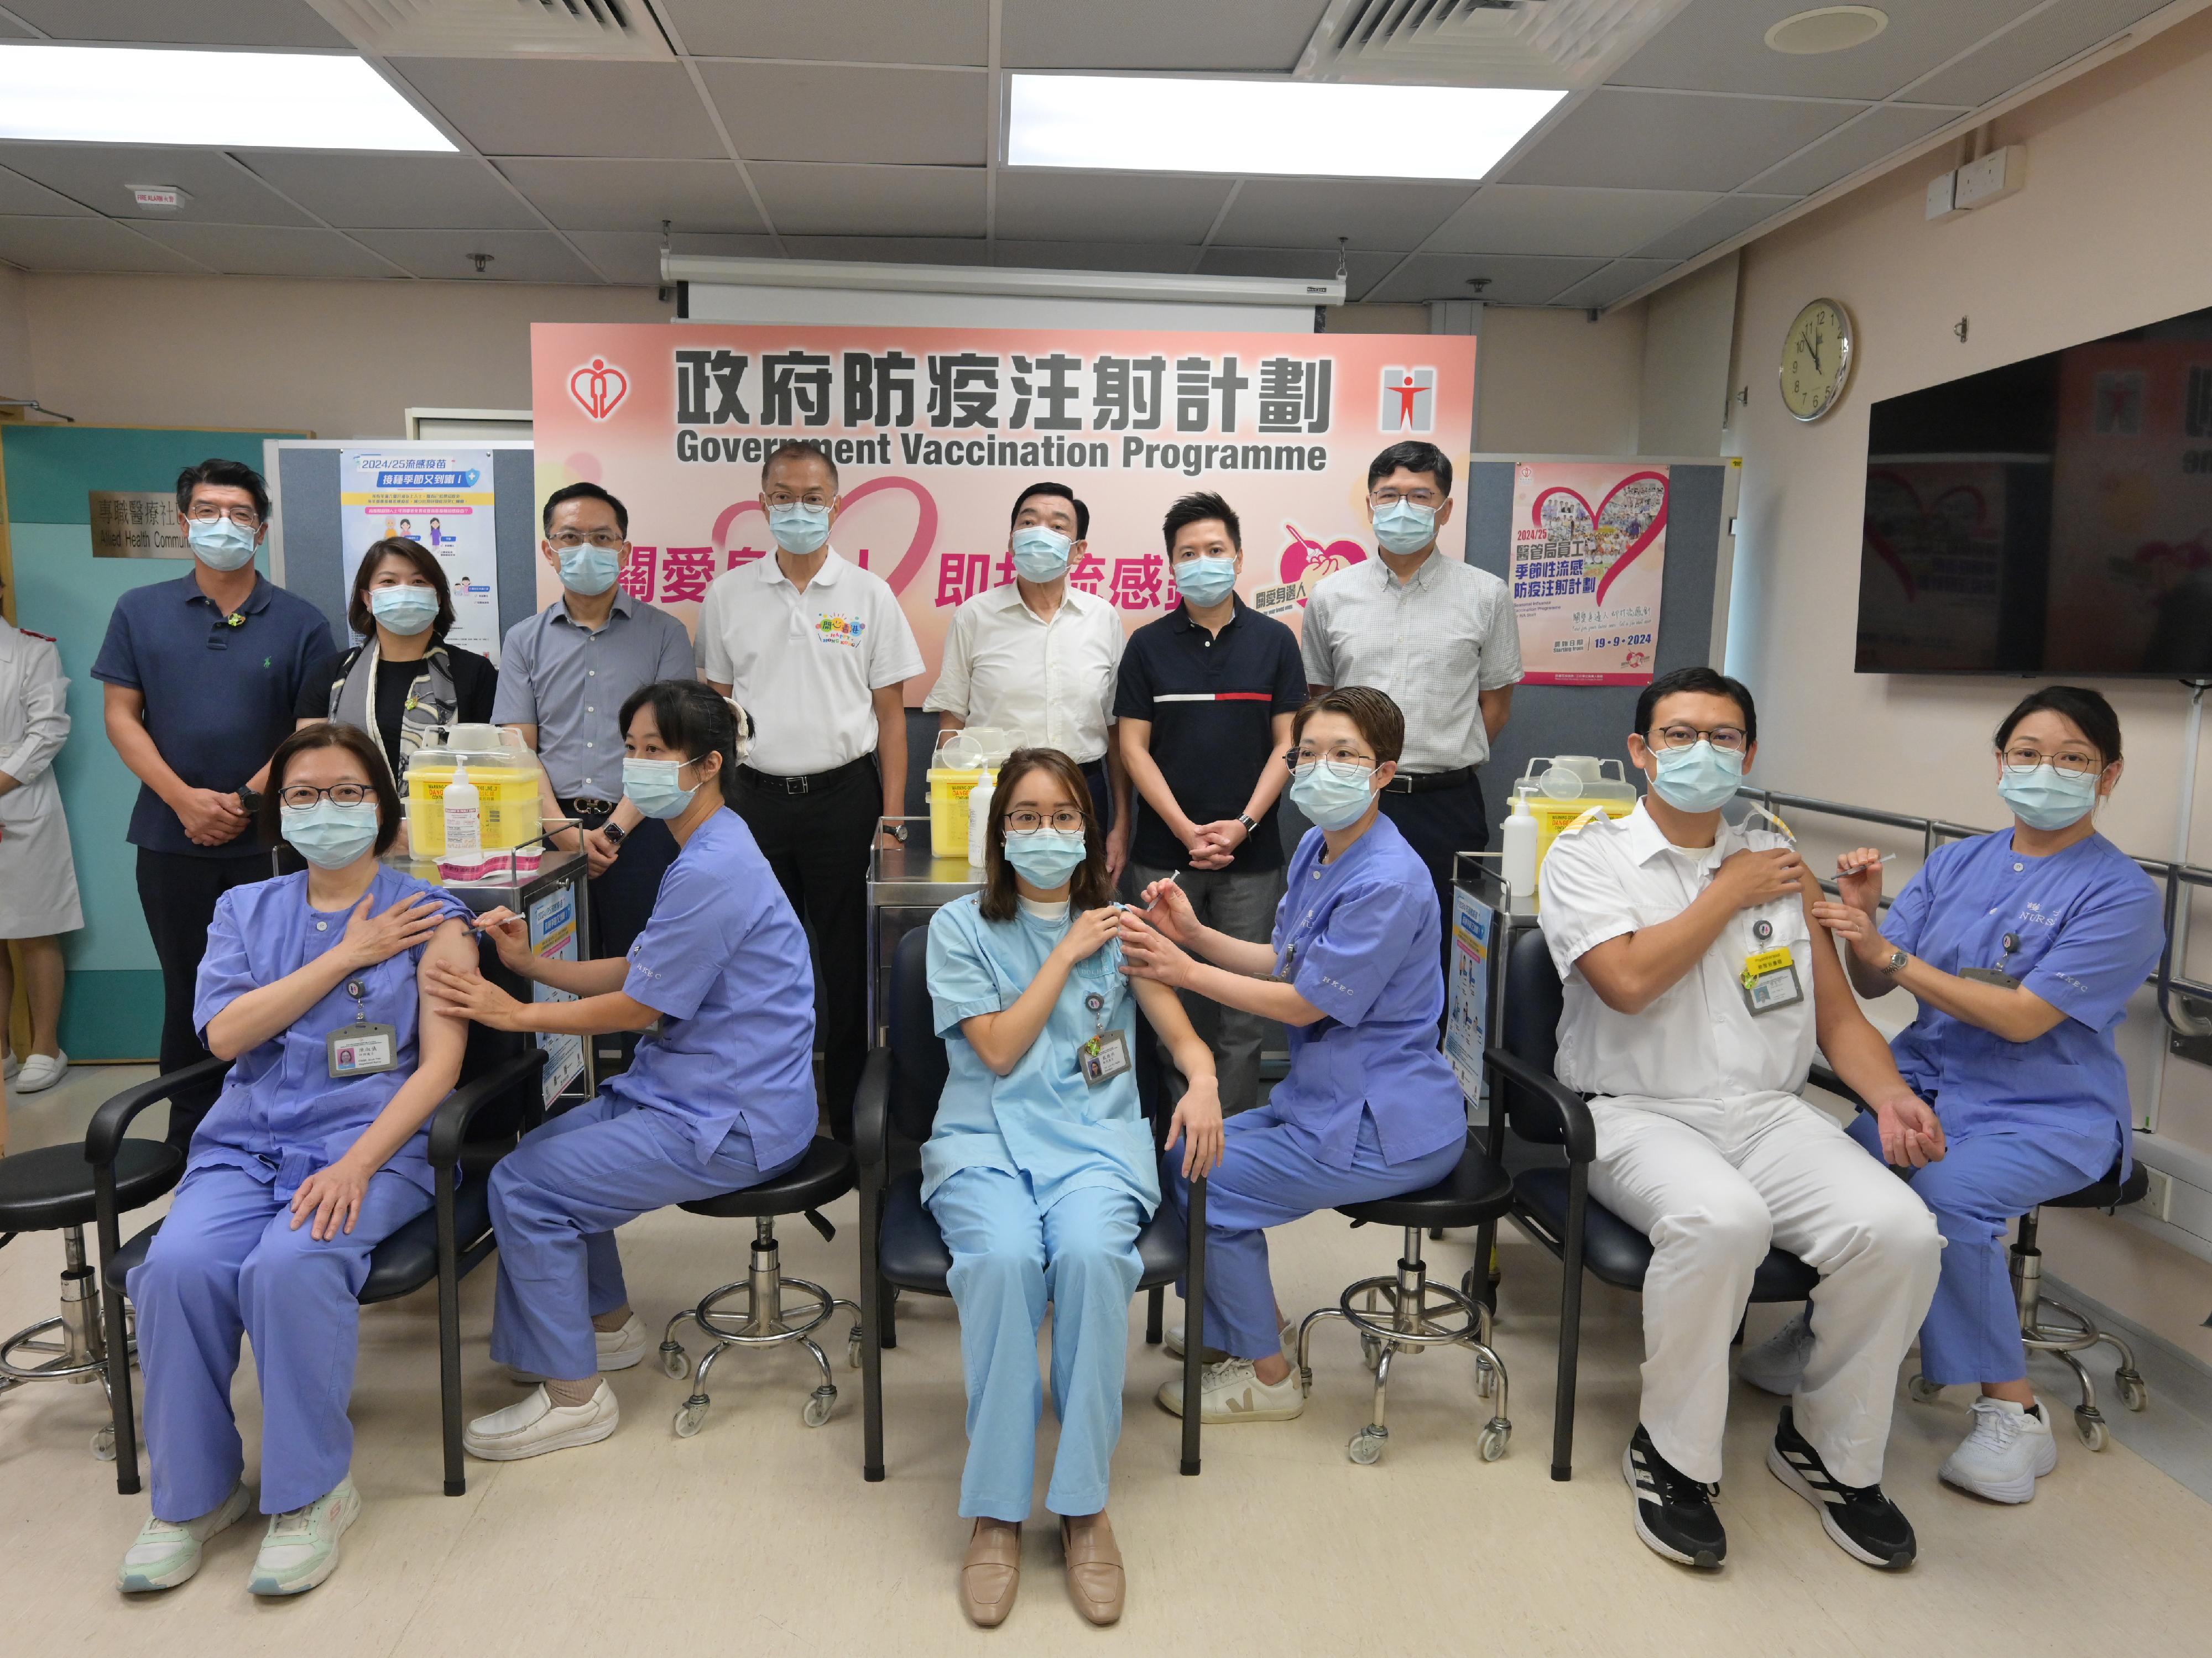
[464,859]
[1519,845]
[979,815]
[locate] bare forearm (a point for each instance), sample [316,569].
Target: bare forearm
[891,755]
[580,978]
[134,744]
[591,1016]
[1496,709]
[407,1111]
[1117,777]
[1236,955]
[252,1019]
[2017,1015]
[1271,999]
[1635,971]
[1145,774]
[1000,1039]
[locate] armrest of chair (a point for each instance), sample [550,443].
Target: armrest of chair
[871,1111]
[449,1124]
[1579,1132]
[104,1137]
[1823,1078]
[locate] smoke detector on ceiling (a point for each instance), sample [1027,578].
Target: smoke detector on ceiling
[1827,28]
[497,28]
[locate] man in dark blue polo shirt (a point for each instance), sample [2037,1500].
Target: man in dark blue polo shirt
[202,675]
[1205,701]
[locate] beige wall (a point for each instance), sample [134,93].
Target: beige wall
[1553,382]
[1689,332]
[15,338]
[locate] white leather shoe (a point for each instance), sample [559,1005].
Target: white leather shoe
[537,1425]
[39,1070]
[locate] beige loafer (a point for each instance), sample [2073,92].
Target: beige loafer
[1095,1581]
[990,1574]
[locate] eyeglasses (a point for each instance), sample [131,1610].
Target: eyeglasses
[2075,763]
[1067,820]
[568,540]
[1379,499]
[207,512]
[1731,737]
[1343,761]
[303,795]
[813,498]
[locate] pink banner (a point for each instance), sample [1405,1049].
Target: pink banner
[1589,552]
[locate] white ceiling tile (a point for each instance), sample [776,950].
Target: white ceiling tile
[12,30]
[1306,213]
[913,116]
[20,195]
[1515,279]
[1881,132]
[181,22]
[1361,271]
[586,194]
[813,199]
[85,244]
[2043,42]
[423,193]
[634,256]
[1729,216]
[271,250]
[849,31]
[1556,219]
[891,250]
[1055,206]
[1622,277]
[100,175]
[1095,256]
[517,256]
[1672,141]
[1168,35]
[1720,45]
[566,107]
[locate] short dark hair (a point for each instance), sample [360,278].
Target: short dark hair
[363,620]
[798,449]
[1380,720]
[1091,887]
[1082,512]
[696,720]
[226,475]
[2087,708]
[1197,508]
[584,492]
[1411,456]
[1699,682]
[330,734]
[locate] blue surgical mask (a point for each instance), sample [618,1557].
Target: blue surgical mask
[1403,527]
[651,786]
[590,570]
[405,609]
[221,544]
[798,528]
[1040,553]
[330,836]
[1700,778]
[1330,799]
[1207,581]
[2045,797]
[1046,857]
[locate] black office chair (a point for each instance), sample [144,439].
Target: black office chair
[499,1100]
[1552,1204]
[901,1247]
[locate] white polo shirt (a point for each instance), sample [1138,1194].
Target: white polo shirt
[804,665]
[1052,681]
[1699,1040]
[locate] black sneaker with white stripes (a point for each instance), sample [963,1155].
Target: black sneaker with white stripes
[1860,1521]
[1674,1513]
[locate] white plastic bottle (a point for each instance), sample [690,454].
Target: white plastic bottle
[1519,841]
[979,816]
[464,825]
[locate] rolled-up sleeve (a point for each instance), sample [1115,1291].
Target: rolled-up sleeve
[696,925]
[2101,955]
[962,984]
[1585,903]
[46,718]
[1359,945]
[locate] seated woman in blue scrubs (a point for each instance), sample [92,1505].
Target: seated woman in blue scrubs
[1040,1171]
[720,1097]
[1371,1109]
[316,1150]
[2022,948]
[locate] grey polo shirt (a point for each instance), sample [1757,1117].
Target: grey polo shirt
[570,680]
[1434,643]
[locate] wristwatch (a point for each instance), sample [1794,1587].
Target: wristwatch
[249,798]
[1895,964]
[897,831]
[1250,828]
[615,832]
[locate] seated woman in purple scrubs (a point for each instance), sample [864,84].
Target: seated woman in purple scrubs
[2022,948]
[721,1097]
[1371,1108]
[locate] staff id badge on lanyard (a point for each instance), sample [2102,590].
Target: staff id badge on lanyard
[363,1048]
[1770,976]
[1106,1055]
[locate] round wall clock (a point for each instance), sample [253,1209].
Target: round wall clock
[1816,359]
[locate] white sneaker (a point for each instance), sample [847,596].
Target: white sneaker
[1231,1391]
[1777,1365]
[41,1071]
[301,1546]
[2008,1450]
[537,1425]
[168,1552]
[616,1349]
[1289,1333]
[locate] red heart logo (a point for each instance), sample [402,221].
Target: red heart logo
[1644,539]
[599,388]
[910,562]
[1962,503]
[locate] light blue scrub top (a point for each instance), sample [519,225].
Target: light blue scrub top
[1360,938]
[1042,1119]
[2089,928]
[282,1115]
[723,961]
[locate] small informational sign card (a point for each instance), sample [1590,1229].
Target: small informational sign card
[1466,1016]
[136,523]
[553,938]
[441,500]
[1589,552]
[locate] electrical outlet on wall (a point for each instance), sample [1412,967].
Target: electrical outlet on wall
[2158,1197]
[1942,197]
[2000,174]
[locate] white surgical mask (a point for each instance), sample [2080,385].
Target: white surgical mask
[1039,552]
[405,609]
[220,544]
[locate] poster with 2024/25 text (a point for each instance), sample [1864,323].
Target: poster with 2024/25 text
[1588,557]
[441,500]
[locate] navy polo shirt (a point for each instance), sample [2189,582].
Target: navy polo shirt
[1212,701]
[219,696]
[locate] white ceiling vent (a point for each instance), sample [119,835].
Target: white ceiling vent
[1483,43]
[497,28]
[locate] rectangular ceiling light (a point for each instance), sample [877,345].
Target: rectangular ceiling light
[242,99]
[1153,124]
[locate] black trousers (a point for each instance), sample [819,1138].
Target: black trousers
[623,896]
[178,892]
[1436,825]
[817,842]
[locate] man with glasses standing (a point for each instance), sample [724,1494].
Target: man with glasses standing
[819,652]
[1439,637]
[200,676]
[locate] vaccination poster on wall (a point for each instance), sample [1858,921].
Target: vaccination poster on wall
[935,430]
[1588,557]
[441,499]
[1467,1003]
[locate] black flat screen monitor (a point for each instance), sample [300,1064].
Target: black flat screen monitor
[2051,517]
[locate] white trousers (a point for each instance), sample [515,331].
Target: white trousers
[1713,1183]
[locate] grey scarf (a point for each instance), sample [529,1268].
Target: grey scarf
[431,701]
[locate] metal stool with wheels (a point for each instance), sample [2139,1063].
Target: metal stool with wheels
[1409,1312]
[825,1174]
